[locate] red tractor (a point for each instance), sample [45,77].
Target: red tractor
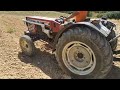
[83,49]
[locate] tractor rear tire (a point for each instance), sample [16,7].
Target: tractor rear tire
[27,45]
[84,54]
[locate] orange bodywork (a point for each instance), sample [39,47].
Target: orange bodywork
[81,16]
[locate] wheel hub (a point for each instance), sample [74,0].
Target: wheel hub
[80,55]
[79,58]
[24,45]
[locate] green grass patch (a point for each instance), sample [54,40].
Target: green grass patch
[11,30]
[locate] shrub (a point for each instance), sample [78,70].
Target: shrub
[110,14]
[113,15]
[90,14]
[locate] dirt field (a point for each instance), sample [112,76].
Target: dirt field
[15,65]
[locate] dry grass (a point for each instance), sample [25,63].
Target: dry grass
[38,13]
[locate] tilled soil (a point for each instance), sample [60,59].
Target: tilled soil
[15,65]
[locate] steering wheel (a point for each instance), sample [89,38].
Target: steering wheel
[60,19]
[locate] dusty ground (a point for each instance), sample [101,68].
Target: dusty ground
[15,65]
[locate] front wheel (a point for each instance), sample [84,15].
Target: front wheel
[84,53]
[27,45]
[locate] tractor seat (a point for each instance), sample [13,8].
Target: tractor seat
[87,19]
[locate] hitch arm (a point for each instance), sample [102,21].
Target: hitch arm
[115,38]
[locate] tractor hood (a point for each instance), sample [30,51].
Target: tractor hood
[40,18]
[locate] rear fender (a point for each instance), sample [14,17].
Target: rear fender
[103,30]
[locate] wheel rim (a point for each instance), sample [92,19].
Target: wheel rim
[24,46]
[79,58]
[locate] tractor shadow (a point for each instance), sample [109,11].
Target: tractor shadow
[45,62]
[115,71]
[48,64]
